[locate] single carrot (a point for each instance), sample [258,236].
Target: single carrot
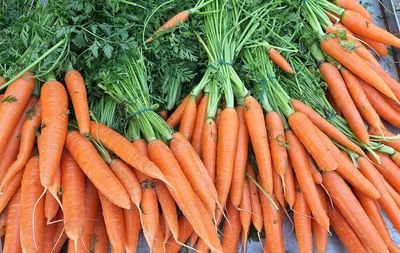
[355,6]
[241,155]
[389,80]
[304,129]
[325,126]
[95,168]
[389,170]
[9,190]
[73,197]
[356,23]
[60,237]
[51,207]
[132,228]
[245,213]
[77,90]
[193,240]
[299,159]
[302,222]
[360,99]
[185,230]
[101,235]
[209,146]
[124,149]
[377,47]
[32,219]
[188,118]
[259,140]
[12,239]
[278,190]
[12,105]
[256,211]
[320,235]
[279,60]
[115,224]
[201,117]
[351,209]
[333,103]
[231,237]
[168,207]
[175,118]
[317,177]
[344,231]
[158,246]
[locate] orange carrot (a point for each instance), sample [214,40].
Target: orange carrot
[12,240]
[230,240]
[278,189]
[279,60]
[50,207]
[132,227]
[259,139]
[9,190]
[209,146]
[389,80]
[355,6]
[377,47]
[185,230]
[12,105]
[201,117]
[351,209]
[256,211]
[95,168]
[158,246]
[317,177]
[389,170]
[101,236]
[320,235]
[302,222]
[168,207]
[188,118]
[77,90]
[289,189]
[245,213]
[241,156]
[175,118]
[393,193]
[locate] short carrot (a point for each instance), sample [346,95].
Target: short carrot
[209,146]
[355,6]
[245,213]
[279,60]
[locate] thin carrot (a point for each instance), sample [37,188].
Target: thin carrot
[279,60]
[354,6]
[175,118]
[351,209]
[289,189]
[278,190]
[317,177]
[389,80]
[158,246]
[230,240]
[12,105]
[325,126]
[356,23]
[12,239]
[209,146]
[389,170]
[101,235]
[95,168]
[241,156]
[185,230]
[3,223]
[188,118]
[259,140]
[320,235]
[77,90]
[302,222]
[60,237]
[168,207]
[50,207]
[132,227]
[256,210]
[393,193]
[201,117]
[245,213]
[377,47]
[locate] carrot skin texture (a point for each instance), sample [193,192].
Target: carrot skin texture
[279,60]
[132,227]
[201,117]
[50,207]
[209,146]
[12,239]
[278,190]
[256,210]
[377,47]
[273,225]
[389,80]
[355,6]
[96,169]
[302,223]
[9,190]
[389,170]
[317,177]
[101,235]
[168,207]
[230,240]
[188,118]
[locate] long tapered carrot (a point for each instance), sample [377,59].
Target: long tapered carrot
[325,126]
[188,118]
[158,246]
[168,207]
[389,80]
[132,229]
[256,211]
[245,213]
[12,239]
[353,5]
[124,149]
[209,146]
[101,235]
[95,168]
[240,162]
[356,23]
[201,117]
[32,219]
[279,60]
[289,187]
[355,64]
[377,47]
[12,105]
[185,230]
[320,235]
[351,209]
[231,237]
[337,88]
[344,231]
[302,223]
[299,159]
[259,140]
[73,197]
[77,90]
[304,129]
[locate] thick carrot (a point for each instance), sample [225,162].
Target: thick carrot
[355,64]
[302,222]
[351,209]
[320,235]
[9,190]
[77,90]
[32,219]
[209,146]
[73,197]
[279,60]
[12,105]
[377,47]
[185,230]
[390,81]
[115,224]
[230,240]
[101,235]
[245,213]
[356,23]
[256,211]
[355,6]
[278,189]
[188,118]
[132,228]
[95,168]
[241,155]
[12,240]
[317,177]
[325,126]
[168,207]
[304,129]
[259,139]
[333,103]
[344,231]
[124,149]
[201,117]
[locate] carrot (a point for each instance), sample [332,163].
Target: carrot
[175,118]
[188,118]
[163,113]
[77,90]
[12,240]
[393,193]
[317,177]
[256,211]
[202,247]
[299,159]
[132,227]
[115,225]
[278,189]
[360,99]
[320,235]
[351,209]
[241,155]
[101,235]
[232,229]
[185,230]
[325,126]
[356,23]
[28,136]
[302,222]
[124,149]
[31,219]
[59,237]
[279,60]
[12,105]
[245,213]
[389,170]
[50,207]
[73,197]
[168,207]
[259,139]
[201,117]
[383,130]
[49,234]
[344,231]
[9,190]
[209,146]
[389,80]
[193,240]
[355,6]
[3,223]
[95,168]
[377,47]
[304,129]
[158,246]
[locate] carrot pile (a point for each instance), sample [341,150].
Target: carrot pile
[286,119]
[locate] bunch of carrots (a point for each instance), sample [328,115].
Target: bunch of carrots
[233,157]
